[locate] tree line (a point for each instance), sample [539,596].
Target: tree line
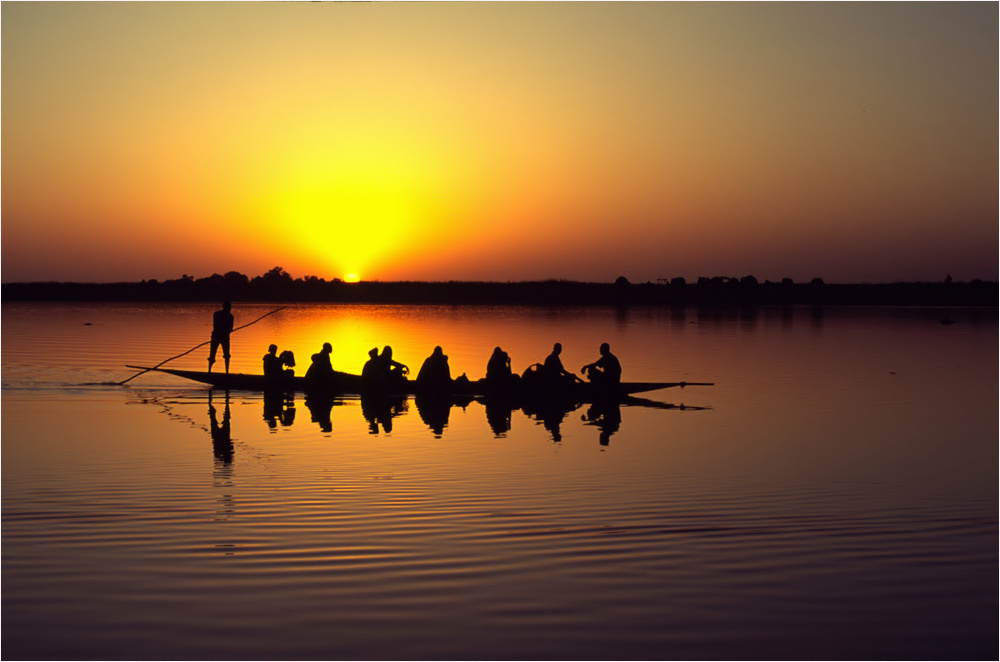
[278,285]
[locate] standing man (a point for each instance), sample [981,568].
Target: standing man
[222,326]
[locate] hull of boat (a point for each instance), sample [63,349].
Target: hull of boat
[348,384]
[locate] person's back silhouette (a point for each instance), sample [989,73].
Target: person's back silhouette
[222,326]
[434,373]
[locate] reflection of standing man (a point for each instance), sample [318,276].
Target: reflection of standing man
[222,440]
[222,326]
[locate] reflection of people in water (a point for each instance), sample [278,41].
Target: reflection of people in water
[321,370]
[552,418]
[279,407]
[435,375]
[222,326]
[607,416]
[498,415]
[222,441]
[434,412]
[550,413]
[605,371]
[380,410]
[320,405]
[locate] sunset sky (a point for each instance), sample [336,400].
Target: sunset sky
[855,142]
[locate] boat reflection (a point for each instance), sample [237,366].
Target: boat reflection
[380,411]
[435,412]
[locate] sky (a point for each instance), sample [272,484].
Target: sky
[854,142]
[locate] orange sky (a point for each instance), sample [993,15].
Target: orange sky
[500,141]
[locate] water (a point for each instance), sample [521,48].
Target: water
[836,497]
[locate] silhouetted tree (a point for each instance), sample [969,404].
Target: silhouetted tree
[235,278]
[277,275]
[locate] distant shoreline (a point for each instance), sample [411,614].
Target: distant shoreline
[278,286]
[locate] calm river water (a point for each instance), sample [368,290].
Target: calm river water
[835,497]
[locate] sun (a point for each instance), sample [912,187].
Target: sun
[348,225]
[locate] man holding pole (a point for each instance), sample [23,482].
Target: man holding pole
[222,326]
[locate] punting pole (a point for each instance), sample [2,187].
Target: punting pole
[123,382]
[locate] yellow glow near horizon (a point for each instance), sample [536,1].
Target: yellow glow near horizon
[352,278]
[348,231]
[424,141]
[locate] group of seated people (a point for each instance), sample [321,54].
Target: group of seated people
[279,366]
[381,370]
[605,371]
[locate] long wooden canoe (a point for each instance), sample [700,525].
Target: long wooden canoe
[349,384]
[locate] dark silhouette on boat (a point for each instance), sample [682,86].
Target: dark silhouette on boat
[435,373]
[278,368]
[381,374]
[529,385]
[222,327]
[320,371]
[605,371]
[547,389]
[499,377]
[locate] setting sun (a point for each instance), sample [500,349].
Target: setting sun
[351,278]
[487,141]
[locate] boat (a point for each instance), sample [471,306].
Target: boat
[341,382]
[344,383]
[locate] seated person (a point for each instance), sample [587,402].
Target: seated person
[369,373]
[498,367]
[606,370]
[321,370]
[389,371]
[274,364]
[553,371]
[434,373]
